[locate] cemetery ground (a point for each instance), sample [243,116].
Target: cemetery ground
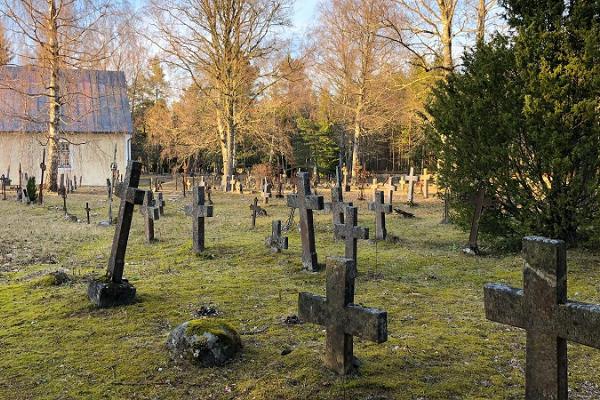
[55,345]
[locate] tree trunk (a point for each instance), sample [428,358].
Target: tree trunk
[481,16]
[53,97]
[447,16]
[353,172]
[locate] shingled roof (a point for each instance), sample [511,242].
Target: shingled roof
[94,101]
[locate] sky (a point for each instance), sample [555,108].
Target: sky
[305,12]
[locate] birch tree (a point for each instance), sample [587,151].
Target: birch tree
[226,48]
[5,48]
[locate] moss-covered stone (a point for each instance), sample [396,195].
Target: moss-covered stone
[57,278]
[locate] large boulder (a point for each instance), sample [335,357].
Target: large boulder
[204,343]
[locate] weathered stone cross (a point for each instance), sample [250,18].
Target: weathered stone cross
[43,169]
[341,317]
[350,232]
[337,205]
[277,242]
[266,191]
[306,203]
[151,213]
[390,188]
[199,211]
[380,208]
[254,207]
[160,202]
[87,212]
[3,179]
[411,179]
[550,319]
[425,178]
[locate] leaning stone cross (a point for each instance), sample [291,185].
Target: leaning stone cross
[542,309]
[411,179]
[380,208]
[350,232]
[200,210]
[306,203]
[276,241]
[116,290]
[341,317]
[151,213]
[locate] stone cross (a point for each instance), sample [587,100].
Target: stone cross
[110,201]
[62,191]
[277,242]
[43,169]
[254,211]
[479,204]
[151,213]
[3,180]
[87,212]
[305,202]
[380,209]
[200,210]
[160,202]
[350,232]
[130,196]
[266,191]
[390,188]
[345,183]
[374,187]
[341,317]
[411,179]
[337,204]
[425,178]
[550,319]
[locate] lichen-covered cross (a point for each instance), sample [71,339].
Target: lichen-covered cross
[380,209]
[305,202]
[341,317]
[337,205]
[200,210]
[276,241]
[350,232]
[542,309]
[130,196]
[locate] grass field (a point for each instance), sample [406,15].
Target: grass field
[55,345]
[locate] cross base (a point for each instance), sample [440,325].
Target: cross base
[106,294]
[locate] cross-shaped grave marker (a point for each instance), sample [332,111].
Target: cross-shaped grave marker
[116,290]
[425,178]
[380,209]
[200,210]
[43,169]
[350,232]
[151,213]
[305,202]
[254,207]
[550,319]
[62,192]
[390,188]
[266,191]
[160,202]
[3,180]
[276,241]
[337,205]
[87,212]
[341,317]
[411,179]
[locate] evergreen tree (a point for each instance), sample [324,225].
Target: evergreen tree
[521,120]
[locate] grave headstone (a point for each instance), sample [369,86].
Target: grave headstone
[87,212]
[550,319]
[425,178]
[200,211]
[341,317]
[276,241]
[266,191]
[3,182]
[410,180]
[350,232]
[43,169]
[337,205]
[254,211]
[305,202]
[115,290]
[380,209]
[160,202]
[390,188]
[151,213]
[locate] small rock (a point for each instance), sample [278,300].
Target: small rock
[206,311]
[291,320]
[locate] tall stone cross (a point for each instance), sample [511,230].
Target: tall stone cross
[200,210]
[130,196]
[337,205]
[374,187]
[380,208]
[350,232]
[151,213]
[550,319]
[254,207]
[411,179]
[425,178]
[43,169]
[480,202]
[276,241]
[266,191]
[341,317]
[62,191]
[306,203]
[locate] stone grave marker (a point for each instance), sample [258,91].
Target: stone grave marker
[3,180]
[425,178]
[550,319]
[411,179]
[200,211]
[374,187]
[151,213]
[337,205]
[87,212]
[254,211]
[380,209]
[160,202]
[345,181]
[341,317]
[62,192]
[115,290]
[350,232]
[390,188]
[266,191]
[305,202]
[43,169]
[276,241]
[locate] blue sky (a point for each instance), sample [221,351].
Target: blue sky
[305,12]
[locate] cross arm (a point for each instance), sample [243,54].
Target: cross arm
[313,309]
[314,202]
[580,323]
[504,304]
[131,195]
[367,323]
